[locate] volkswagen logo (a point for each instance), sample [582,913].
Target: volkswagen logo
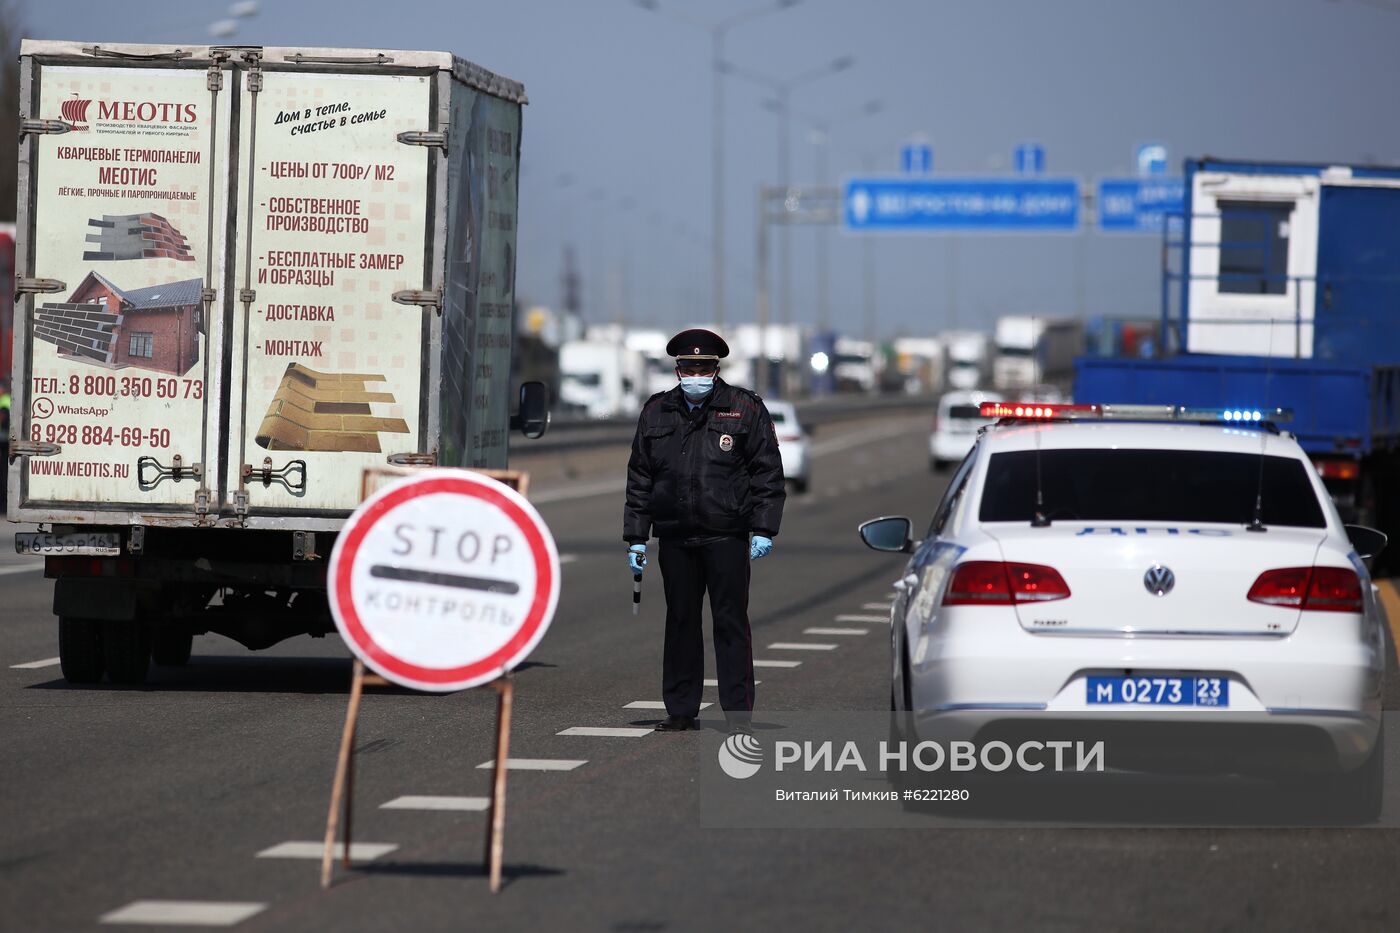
[1159,580]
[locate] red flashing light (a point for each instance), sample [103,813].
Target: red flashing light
[1313,589]
[994,583]
[1036,411]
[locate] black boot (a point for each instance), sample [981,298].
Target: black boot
[676,724]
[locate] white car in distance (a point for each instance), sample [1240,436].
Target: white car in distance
[1173,574]
[792,444]
[956,421]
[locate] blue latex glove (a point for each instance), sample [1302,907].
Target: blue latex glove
[759,547]
[637,558]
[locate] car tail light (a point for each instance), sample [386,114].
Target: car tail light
[789,437]
[1338,469]
[1314,589]
[994,583]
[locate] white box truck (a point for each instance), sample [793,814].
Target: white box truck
[246,274]
[1032,351]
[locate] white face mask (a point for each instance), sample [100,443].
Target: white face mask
[697,387]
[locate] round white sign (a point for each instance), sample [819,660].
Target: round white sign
[443,580]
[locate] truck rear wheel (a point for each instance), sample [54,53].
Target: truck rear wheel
[80,654]
[126,646]
[170,647]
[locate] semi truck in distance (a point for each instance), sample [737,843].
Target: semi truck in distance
[601,378]
[1030,351]
[967,360]
[245,275]
[1283,292]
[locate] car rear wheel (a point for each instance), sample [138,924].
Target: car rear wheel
[126,647]
[80,650]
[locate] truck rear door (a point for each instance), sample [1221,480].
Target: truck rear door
[328,372]
[122,189]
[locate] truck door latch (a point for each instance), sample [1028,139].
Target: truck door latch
[422,297]
[159,472]
[283,475]
[433,138]
[413,459]
[43,127]
[20,448]
[25,286]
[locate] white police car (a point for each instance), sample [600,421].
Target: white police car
[1148,566]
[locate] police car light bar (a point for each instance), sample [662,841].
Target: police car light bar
[1033,411]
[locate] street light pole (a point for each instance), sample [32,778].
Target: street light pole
[717,32]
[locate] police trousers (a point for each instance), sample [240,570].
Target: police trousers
[719,567]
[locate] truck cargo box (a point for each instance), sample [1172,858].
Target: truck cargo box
[248,273]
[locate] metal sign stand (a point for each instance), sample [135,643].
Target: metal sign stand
[343,788]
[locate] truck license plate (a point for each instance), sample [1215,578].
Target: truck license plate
[93,543]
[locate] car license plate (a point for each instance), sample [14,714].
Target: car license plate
[92,543]
[1158,691]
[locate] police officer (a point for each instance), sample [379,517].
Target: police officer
[706,477]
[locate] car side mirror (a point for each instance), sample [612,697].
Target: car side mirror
[1368,541]
[532,419]
[888,534]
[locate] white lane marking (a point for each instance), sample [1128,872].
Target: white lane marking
[818,630]
[537,764]
[605,732]
[184,913]
[757,663]
[437,803]
[579,492]
[891,595]
[851,618]
[661,704]
[801,646]
[715,683]
[875,605]
[31,665]
[359,851]
[567,558]
[6,571]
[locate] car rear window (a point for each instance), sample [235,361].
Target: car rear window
[966,411]
[1149,486]
[777,416]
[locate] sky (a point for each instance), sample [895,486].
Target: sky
[617,137]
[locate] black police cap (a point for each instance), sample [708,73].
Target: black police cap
[697,343]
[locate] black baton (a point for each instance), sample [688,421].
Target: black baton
[636,592]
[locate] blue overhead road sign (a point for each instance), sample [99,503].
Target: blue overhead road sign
[1139,205]
[917,158]
[1030,158]
[1151,159]
[951,204]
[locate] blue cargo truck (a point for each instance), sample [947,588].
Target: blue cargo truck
[1281,289]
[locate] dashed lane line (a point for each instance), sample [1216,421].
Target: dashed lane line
[7,571]
[183,913]
[32,665]
[715,683]
[875,606]
[801,646]
[605,732]
[758,663]
[537,764]
[567,558]
[861,618]
[472,804]
[661,704]
[819,630]
[359,851]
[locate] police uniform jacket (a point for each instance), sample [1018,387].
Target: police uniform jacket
[715,471]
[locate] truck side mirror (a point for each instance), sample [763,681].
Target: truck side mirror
[532,419]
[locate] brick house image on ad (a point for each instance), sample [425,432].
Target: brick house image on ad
[154,328]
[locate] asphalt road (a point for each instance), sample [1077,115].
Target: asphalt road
[170,792]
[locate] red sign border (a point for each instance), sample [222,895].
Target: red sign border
[343,560]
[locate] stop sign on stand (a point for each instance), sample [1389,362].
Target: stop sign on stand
[441,581]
